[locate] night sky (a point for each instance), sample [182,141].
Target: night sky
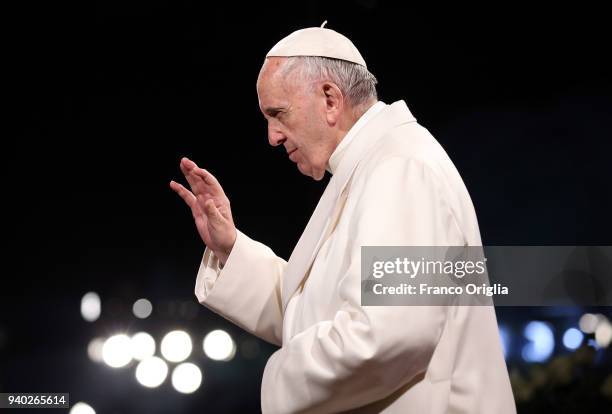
[108,96]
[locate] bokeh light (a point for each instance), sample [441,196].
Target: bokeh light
[186,378]
[572,338]
[90,306]
[117,351]
[142,345]
[151,372]
[219,345]
[176,346]
[94,349]
[603,334]
[82,408]
[142,308]
[588,323]
[504,335]
[541,342]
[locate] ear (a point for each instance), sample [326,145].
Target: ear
[334,102]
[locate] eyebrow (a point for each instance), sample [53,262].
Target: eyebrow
[272,110]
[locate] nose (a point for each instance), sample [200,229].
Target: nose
[275,136]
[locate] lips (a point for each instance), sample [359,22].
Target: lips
[290,153]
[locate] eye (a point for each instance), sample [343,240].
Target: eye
[274,113]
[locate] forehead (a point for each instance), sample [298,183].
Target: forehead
[271,66]
[270,74]
[271,85]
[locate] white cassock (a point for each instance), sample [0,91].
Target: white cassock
[392,185]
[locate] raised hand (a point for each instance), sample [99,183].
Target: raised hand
[210,208]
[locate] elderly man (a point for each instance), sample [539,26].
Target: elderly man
[392,184]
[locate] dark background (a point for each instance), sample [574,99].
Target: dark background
[107,96]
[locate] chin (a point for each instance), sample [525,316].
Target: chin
[316,174]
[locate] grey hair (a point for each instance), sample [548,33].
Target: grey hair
[355,82]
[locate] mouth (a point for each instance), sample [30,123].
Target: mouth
[289,153]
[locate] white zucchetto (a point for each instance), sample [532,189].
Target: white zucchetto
[318,41]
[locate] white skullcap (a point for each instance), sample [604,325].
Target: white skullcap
[318,41]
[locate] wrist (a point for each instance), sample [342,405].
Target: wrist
[223,254]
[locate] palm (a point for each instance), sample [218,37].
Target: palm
[201,223]
[209,206]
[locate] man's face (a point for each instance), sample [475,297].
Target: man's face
[296,118]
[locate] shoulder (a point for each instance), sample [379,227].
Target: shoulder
[406,146]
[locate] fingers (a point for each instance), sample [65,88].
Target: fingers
[215,218]
[195,182]
[210,180]
[185,194]
[200,180]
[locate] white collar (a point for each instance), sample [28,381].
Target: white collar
[336,156]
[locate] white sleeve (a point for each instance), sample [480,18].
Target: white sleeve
[247,291]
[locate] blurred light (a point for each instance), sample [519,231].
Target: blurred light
[572,338]
[90,306]
[142,308]
[151,372]
[143,346]
[176,346]
[186,378]
[603,334]
[94,349]
[117,351]
[593,343]
[541,342]
[82,408]
[218,345]
[504,336]
[588,323]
